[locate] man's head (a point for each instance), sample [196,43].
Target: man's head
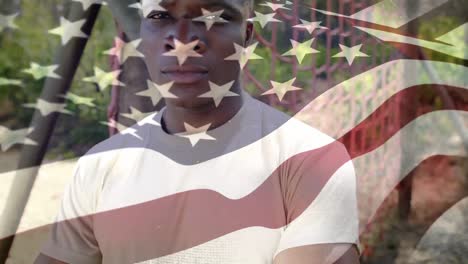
[168,24]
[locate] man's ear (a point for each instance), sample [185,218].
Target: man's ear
[249,33]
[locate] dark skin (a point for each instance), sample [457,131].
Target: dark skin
[158,30]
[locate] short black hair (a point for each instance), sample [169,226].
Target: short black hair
[251,3]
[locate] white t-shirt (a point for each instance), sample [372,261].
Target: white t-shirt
[267,183]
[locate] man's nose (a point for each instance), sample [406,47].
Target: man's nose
[185,31]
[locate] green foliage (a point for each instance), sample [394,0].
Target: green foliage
[19,48]
[444,24]
[88,132]
[283,71]
[31,42]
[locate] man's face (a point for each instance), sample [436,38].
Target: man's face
[162,27]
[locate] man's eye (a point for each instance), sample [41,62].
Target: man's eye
[159,15]
[226,17]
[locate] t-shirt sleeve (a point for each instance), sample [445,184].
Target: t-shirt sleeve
[71,238]
[320,199]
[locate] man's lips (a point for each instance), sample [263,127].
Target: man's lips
[185,74]
[186,77]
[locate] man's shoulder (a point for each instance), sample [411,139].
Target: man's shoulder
[135,136]
[125,142]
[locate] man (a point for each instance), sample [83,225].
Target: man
[223,179]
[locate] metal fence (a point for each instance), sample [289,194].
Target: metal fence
[329,72]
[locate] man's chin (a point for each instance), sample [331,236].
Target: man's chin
[189,92]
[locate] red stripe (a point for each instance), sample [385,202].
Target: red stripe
[389,129]
[146,231]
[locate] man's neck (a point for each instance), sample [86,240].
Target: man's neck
[174,117]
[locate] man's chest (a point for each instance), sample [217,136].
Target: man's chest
[162,211]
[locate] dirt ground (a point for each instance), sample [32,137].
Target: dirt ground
[42,206]
[435,190]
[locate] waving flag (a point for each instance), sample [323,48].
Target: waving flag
[348,74]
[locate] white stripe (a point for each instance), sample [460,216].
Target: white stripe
[372,189]
[52,178]
[236,181]
[446,238]
[458,51]
[394,13]
[367,91]
[390,13]
[45,196]
[332,217]
[379,171]
[457,37]
[311,227]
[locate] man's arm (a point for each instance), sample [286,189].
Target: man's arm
[319,254]
[323,228]
[71,238]
[43,259]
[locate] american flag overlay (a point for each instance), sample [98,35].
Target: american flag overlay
[233,131]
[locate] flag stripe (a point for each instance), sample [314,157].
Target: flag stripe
[361,164]
[389,129]
[380,170]
[210,215]
[235,193]
[395,76]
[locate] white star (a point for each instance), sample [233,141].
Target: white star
[275,6]
[136,5]
[183,51]
[131,131]
[6,81]
[68,30]
[87,3]
[264,19]
[46,108]
[350,53]
[219,92]
[280,89]
[39,72]
[114,124]
[7,21]
[195,134]
[124,130]
[104,79]
[309,26]
[300,50]
[149,120]
[136,114]
[243,55]
[156,92]
[79,100]
[152,92]
[209,18]
[8,137]
[151,5]
[123,50]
